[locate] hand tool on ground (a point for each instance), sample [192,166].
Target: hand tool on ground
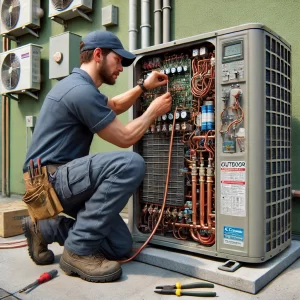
[43,278]
[176,289]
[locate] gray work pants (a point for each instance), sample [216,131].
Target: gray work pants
[93,190]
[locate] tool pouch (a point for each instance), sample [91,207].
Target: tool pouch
[40,197]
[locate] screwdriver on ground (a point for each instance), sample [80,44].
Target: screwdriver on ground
[43,278]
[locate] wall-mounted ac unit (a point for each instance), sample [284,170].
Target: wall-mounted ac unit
[20,69]
[19,15]
[69,9]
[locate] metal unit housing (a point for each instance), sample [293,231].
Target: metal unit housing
[70,12]
[29,16]
[29,77]
[252,180]
[64,54]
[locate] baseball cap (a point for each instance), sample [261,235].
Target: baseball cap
[107,40]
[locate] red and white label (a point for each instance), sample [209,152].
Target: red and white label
[233,188]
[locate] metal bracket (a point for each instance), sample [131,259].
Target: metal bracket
[12,96]
[59,21]
[31,94]
[82,14]
[230,266]
[29,30]
[12,38]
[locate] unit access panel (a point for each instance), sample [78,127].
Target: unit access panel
[227,136]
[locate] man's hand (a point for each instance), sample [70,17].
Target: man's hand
[155,79]
[161,104]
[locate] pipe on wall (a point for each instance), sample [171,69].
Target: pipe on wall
[157,22]
[5,135]
[145,24]
[166,20]
[295,193]
[132,25]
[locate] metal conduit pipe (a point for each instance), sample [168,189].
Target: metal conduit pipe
[166,21]
[145,24]
[132,25]
[157,22]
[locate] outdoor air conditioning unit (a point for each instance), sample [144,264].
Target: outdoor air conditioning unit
[69,9]
[229,193]
[19,16]
[20,69]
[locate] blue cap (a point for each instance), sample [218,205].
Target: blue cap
[107,40]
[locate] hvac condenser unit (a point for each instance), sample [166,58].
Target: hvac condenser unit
[20,69]
[69,9]
[19,15]
[229,189]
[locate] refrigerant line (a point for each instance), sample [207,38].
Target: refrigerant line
[164,199]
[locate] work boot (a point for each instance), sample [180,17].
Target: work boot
[94,267]
[37,247]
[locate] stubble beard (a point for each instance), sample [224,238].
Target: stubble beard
[105,75]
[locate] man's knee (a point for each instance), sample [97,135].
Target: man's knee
[138,164]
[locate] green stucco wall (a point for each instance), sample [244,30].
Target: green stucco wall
[188,17]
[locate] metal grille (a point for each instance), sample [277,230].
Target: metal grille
[278,143]
[155,150]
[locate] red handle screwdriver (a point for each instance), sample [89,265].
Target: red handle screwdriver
[43,278]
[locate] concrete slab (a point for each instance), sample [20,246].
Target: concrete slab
[138,281]
[249,278]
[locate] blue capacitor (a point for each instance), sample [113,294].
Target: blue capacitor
[210,120]
[204,117]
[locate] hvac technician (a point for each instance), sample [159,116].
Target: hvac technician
[93,189]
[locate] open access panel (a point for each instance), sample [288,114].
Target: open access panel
[229,192]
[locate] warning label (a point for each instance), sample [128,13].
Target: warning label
[233,188]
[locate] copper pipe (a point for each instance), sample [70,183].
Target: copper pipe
[195,238]
[5,123]
[202,199]
[194,198]
[199,137]
[296,193]
[7,111]
[209,182]
[165,196]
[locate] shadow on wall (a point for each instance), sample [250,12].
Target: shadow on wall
[295,175]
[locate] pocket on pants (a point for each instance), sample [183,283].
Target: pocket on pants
[76,178]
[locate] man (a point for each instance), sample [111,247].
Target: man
[93,189]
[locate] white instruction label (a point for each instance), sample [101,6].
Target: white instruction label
[233,188]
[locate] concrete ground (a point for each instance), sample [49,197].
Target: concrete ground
[137,282]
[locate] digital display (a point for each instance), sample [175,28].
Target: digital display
[233,50]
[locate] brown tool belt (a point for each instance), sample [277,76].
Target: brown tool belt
[40,196]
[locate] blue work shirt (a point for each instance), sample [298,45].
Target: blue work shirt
[73,111]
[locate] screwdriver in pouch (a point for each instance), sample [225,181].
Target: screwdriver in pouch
[43,278]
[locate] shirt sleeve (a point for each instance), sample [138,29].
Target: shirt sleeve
[90,107]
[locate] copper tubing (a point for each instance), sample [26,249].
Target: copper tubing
[165,196]
[5,134]
[194,198]
[296,193]
[209,182]
[13,244]
[202,200]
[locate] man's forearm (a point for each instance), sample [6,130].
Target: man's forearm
[137,127]
[123,102]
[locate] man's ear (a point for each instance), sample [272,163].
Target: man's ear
[97,55]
